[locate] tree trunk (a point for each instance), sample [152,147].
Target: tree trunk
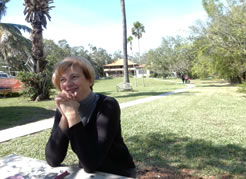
[37,47]
[244,76]
[40,62]
[235,80]
[126,74]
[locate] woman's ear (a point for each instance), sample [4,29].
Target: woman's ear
[91,83]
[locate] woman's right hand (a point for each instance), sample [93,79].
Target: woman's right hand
[68,107]
[61,98]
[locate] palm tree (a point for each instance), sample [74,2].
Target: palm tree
[126,74]
[137,31]
[3,8]
[15,27]
[36,12]
[14,48]
[129,40]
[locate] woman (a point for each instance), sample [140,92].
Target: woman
[89,121]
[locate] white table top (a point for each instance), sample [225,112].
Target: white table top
[19,167]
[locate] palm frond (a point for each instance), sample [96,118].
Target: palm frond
[17,26]
[14,48]
[37,11]
[3,8]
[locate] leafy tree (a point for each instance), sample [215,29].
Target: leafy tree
[117,55]
[202,62]
[160,59]
[213,7]
[66,48]
[173,56]
[183,57]
[80,51]
[99,57]
[53,53]
[224,39]
[123,11]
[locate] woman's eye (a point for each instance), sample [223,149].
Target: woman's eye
[62,80]
[74,77]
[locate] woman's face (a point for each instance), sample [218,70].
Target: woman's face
[73,80]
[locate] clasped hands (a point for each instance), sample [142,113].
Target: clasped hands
[68,107]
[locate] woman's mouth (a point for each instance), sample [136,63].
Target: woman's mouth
[72,91]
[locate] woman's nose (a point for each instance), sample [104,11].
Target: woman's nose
[67,83]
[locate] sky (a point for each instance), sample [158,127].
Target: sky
[99,23]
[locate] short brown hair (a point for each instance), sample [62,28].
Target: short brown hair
[63,65]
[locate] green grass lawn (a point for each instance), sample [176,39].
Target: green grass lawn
[201,131]
[18,110]
[150,87]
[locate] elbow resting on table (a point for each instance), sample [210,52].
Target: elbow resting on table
[89,170]
[53,163]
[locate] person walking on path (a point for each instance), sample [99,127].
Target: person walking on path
[183,78]
[186,79]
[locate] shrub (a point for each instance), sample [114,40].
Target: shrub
[36,85]
[242,87]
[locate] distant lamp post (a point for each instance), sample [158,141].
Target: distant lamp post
[135,75]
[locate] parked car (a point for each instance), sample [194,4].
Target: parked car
[4,75]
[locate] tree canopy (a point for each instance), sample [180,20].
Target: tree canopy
[216,47]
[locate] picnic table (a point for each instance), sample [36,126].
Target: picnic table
[19,167]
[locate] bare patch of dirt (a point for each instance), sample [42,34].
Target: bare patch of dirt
[155,172]
[162,173]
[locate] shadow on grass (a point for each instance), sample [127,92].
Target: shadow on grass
[179,154]
[187,93]
[216,86]
[213,82]
[9,95]
[139,94]
[16,115]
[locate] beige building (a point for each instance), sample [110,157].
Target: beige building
[117,68]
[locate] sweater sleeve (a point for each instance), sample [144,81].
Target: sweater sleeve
[56,148]
[93,149]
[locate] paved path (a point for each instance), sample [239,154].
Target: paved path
[18,131]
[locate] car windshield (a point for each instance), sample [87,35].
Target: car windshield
[2,75]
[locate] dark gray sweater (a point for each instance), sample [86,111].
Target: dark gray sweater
[98,144]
